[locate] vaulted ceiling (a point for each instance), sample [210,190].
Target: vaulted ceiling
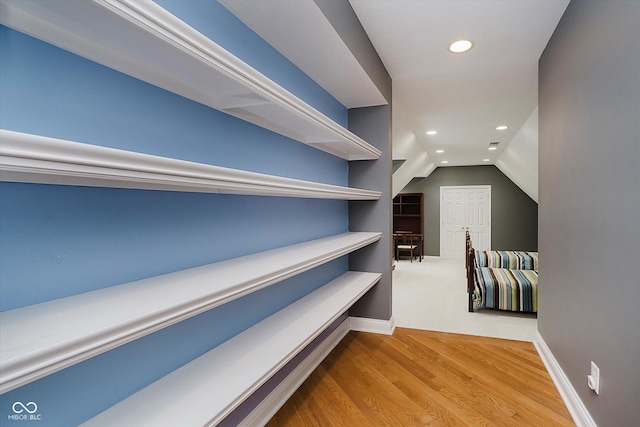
[463,96]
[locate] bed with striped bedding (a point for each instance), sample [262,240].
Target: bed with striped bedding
[516,260]
[506,289]
[502,280]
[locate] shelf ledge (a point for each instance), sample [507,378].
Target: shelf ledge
[38,159]
[41,339]
[143,40]
[206,390]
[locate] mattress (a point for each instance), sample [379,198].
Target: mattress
[506,289]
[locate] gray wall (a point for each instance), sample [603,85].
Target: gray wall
[373,124]
[589,159]
[346,23]
[514,215]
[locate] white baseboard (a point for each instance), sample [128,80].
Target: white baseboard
[376,326]
[266,409]
[576,408]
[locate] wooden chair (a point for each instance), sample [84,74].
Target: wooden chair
[407,242]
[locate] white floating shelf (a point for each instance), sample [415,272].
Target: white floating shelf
[38,159]
[207,389]
[143,40]
[40,339]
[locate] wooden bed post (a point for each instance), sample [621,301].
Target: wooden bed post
[470,276]
[467,240]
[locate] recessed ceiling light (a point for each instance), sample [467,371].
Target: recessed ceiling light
[440,151]
[432,132]
[444,162]
[486,160]
[460,46]
[493,148]
[502,127]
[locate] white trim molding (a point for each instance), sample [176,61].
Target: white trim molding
[268,407]
[44,338]
[375,326]
[143,40]
[576,408]
[38,159]
[216,383]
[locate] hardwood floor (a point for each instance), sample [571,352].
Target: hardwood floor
[416,378]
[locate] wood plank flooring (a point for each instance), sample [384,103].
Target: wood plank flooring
[417,378]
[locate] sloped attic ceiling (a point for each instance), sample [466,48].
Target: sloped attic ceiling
[461,96]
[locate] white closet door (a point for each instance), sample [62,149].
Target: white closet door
[462,208]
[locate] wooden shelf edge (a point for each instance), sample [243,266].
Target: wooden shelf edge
[38,340]
[169,39]
[38,159]
[206,390]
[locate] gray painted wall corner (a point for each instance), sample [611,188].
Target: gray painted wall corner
[374,125]
[589,152]
[514,223]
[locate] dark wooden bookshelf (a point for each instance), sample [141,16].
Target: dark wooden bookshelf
[408,215]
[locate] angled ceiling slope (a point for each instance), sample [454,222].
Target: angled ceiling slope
[143,40]
[464,97]
[302,33]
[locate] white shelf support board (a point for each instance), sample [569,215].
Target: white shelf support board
[38,159]
[143,40]
[267,408]
[207,389]
[41,339]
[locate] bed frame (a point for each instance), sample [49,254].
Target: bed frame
[470,269]
[521,282]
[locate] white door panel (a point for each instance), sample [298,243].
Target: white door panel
[463,208]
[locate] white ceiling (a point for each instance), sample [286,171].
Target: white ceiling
[462,96]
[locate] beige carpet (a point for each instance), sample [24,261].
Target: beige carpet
[432,295]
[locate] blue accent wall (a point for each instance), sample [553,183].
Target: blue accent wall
[61,240]
[51,92]
[221,26]
[75,394]
[58,241]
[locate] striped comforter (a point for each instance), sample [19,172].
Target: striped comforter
[506,289]
[517,260]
